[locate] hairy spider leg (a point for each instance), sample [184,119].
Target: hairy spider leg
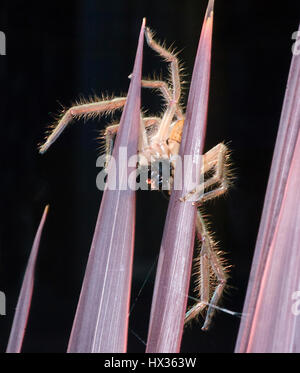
[149,146]
[166,93]
[86,110]
[216,158]
[111,131]
[93,109]
[209,258]
[172,96]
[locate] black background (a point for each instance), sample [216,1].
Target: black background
[57,51]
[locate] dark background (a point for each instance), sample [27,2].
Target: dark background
[57,51]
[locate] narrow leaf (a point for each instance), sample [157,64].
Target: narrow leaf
[176,252]
[23,306]
[101,319]
[269,323]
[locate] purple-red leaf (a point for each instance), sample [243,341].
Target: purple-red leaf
[270,322]
[23,306]
[101,320]
[176,253]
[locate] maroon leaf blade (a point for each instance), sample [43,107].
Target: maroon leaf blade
[176,253]
[23,306]
[101,319]
[275,254]
[275,325]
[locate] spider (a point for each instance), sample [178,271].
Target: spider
[160,139]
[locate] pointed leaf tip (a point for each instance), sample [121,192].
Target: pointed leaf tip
[101,320]
[23,306]
[173,274]
[210,9]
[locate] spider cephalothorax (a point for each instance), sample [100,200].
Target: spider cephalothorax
[159,143]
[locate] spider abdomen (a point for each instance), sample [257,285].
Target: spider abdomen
[176,132]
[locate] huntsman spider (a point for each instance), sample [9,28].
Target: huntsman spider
[160,139]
